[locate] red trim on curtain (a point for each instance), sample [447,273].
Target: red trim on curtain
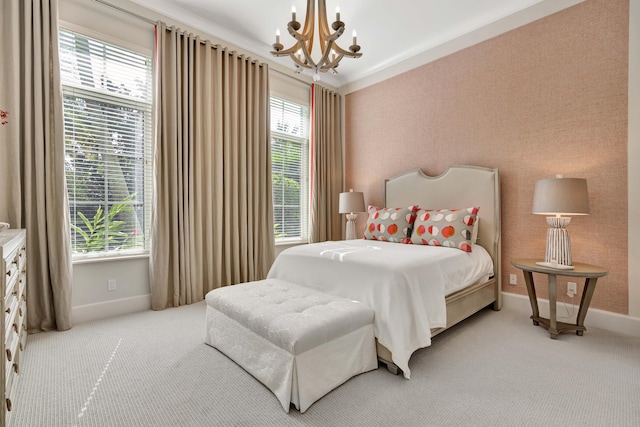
[312,141]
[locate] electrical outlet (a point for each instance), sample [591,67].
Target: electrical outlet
[571,289]
[513,279]
[111,285]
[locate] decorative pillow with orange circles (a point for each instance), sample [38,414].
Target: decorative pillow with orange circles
[390,224]
[445,227]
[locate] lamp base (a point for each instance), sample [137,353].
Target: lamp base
[351,227]
[556,265]
[558,242]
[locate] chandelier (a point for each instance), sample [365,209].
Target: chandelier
[331,53]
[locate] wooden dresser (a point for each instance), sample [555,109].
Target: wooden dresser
[13,264]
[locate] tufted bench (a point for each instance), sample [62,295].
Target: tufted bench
[298,342]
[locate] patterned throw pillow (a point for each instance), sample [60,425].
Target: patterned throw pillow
[451,228]
[390,224]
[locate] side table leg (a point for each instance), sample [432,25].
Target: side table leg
[553,327]
[587,293]
[531,290]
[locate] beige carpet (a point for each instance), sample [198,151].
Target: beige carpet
[495,369]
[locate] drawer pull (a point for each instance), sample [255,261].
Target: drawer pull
[8,310]
[9,273]
[8,404]
[14,293]
[20,311]
[15,368]
[15,327]
[9,355]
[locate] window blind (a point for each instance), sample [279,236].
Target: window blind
[290,169]
[107,101]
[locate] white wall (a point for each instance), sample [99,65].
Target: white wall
[91,298]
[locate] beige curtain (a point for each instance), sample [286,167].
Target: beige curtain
[32,181]
[326,164]
[213,212]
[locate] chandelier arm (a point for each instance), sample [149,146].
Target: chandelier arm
[326,51]
[286,52]
[292,52]
[305,41]
[304,37]
[298,62]
[307,54]
[323,26]
[350,54]
[309,24]
[333,63]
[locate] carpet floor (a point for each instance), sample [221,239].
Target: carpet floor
[494,369]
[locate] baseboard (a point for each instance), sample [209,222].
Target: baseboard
[600,319]
[103,310]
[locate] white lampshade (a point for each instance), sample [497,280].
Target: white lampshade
[556,197]
[561,196]
[350,202]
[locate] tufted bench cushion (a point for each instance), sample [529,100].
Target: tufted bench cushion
[299,342]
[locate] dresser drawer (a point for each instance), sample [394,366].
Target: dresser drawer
[13,323]
[16,334]
[10,385]
[11,300]
[13,334]
[22,344]
[11,280]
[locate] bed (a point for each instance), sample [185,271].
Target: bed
[416,291]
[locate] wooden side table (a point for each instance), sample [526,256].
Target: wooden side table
[590,273]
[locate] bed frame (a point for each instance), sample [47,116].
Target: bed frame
[459,187]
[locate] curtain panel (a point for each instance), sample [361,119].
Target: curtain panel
[212,221]
[326,164]
[33,192]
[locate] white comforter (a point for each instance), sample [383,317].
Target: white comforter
[404,284]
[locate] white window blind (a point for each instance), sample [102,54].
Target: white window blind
[290,169]
[107,100]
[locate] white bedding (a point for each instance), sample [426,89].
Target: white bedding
[406,285]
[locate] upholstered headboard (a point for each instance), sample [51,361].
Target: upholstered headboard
[458,188]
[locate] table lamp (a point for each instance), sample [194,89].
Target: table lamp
[555,197]
[351,203]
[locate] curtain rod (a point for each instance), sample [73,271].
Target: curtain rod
[151,21]
[128,12]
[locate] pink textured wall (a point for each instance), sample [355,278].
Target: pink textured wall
[543,99]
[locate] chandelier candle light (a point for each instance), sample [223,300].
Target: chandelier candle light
[351,203]
[300,52]
[560,196]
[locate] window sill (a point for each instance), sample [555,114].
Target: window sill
[96,258]
[292,242]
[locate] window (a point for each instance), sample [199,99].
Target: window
[107,121]
[290,169]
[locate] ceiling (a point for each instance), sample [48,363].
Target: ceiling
[389,32]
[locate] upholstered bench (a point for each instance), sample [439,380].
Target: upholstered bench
[298,342]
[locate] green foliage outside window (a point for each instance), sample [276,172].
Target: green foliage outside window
[104,230]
